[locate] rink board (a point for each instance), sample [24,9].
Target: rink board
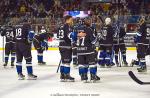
[55,48]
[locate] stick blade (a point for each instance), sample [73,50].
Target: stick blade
[131,74]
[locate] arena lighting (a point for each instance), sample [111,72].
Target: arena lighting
[75,14]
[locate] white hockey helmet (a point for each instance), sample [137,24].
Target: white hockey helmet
[107,21]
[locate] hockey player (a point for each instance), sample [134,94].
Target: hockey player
[118,44]
[74,47]
[80,24]
[86,52]
[95,27]
[147,39]
[106,43]
[65,49]
[136,40]
[141,49]
[40,43]
[10,46]
[24,37]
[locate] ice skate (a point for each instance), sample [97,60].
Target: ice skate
[68,78]
[84,77]
[94,78]
[108,65]
[21,76]
[32,77]
[102,65]
[42,63]
[112,64]
[142,69]
[125,63]
[62,77]
[117,64]
[132,63]
[5,65]
[12,65]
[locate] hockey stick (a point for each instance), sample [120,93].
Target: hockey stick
[131,74]
[3,56]
[58,66]
[118,42]
[118,29]
[120,58]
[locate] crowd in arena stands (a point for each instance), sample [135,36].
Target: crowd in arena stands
[56,8]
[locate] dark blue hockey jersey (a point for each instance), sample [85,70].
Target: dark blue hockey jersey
[9,33]
[85,45]
[22,32]
[63,35]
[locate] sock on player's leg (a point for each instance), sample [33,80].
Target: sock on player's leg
[61,69]
[101,58]
[82,69]
[6,60]
[93,72]
[108,58]
[66,70]
[29,69]
[19,67]
[13,57]
[142,65]
[116,58]
[93,69]
[40,57]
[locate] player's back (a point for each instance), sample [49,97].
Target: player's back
[108,33]
[119,36]
[63,34]
[9,33]
[22,32]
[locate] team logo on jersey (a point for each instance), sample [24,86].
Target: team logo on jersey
[148,31]
[104,32]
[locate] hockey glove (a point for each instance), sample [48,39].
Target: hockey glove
[31,36]
[44,45]
[137,37]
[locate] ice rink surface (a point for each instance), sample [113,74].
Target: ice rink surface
[115,82]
